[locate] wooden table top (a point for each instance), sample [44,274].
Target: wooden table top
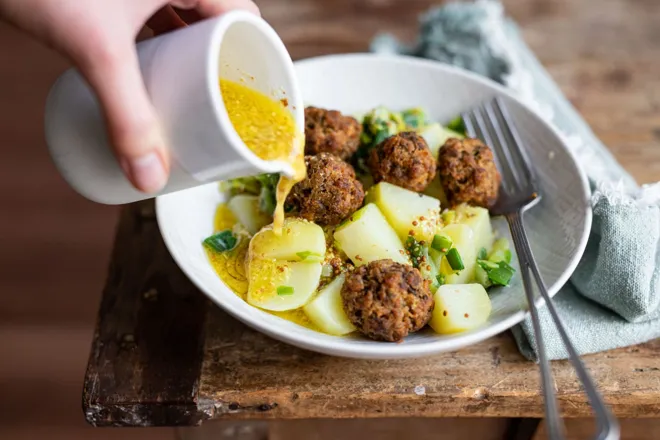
[164,355]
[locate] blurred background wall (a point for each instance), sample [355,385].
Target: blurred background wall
[54,245]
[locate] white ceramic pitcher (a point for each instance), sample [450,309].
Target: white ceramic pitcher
[181,71]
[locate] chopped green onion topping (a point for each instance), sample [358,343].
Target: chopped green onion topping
[380,137]
[481,277]
[441,243]
[499,273]
[309,255]
[414,117]
[284,290]
[454,259]
[457,125]
[482,254]
[415,250]
[440,279]
[500,255]
[222,241]
[488,264]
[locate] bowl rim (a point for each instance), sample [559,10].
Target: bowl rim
[379,350]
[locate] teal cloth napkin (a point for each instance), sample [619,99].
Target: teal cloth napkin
[613,297]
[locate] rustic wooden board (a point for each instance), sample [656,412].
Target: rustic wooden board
[145,359]
[152,365]
[248,375]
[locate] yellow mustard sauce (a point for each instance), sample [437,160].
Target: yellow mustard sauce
[268,129]
[231,267]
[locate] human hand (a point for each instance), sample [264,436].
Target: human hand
[98,36]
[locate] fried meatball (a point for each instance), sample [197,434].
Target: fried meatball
[387,300]
[330,192]
[468,172]
[328,131]
[404,160]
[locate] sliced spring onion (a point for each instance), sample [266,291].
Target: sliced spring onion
[284,290]
[414,117]
[441,243]
[487,264]
[501,275]
[500,255]
[309,256]
[498,273]
[440,279]
[223,241]
[454,259]
[457,125]
[482,254]
[481,277]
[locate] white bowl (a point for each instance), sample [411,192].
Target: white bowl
[557,227]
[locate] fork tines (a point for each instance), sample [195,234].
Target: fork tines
[491,123]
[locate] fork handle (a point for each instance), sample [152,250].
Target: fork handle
[553,419]
[608,428]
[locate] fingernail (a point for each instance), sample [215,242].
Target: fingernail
[147,172]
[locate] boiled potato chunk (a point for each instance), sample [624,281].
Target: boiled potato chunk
[479,221]
[246,210]
[406,210]
[366,236]
[281,285]
[462,237]
[436,135]
[460,307]
[299,238]
[326,311]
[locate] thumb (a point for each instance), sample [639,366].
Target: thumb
[132,123]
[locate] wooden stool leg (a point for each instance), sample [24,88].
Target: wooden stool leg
[522,429]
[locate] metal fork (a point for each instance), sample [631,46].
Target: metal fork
[492,123]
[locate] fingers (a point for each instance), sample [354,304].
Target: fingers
[165,20]
[132,123]
[190,11]
[211,8]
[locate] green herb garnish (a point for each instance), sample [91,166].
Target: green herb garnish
[268,192]
[310,256]
[488,264]
[500,255]
[284,290]
[414,117]
[457,125]
[499,273]
[482,255]
[419,256]
[441,243]
[415,250]
[241,185]
[263,185]
[481,276]
[454,259]
[440,279]
[222,241]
